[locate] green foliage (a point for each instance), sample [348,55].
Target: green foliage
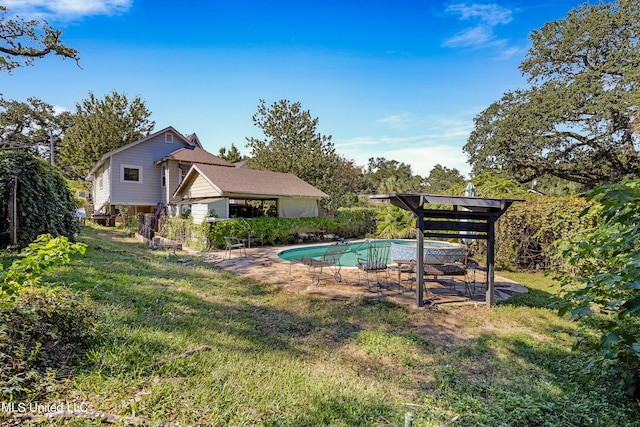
[390,176]
[24,41]
[45,204]
[30,125]
[576,120]
[527,233]
[605,291]
[394,223]
[441,179]
[292,144]
[344,185]
[268,230]
[41,334]
[100,126]
[356,221]
[48,323]
[232,155]
[42,254]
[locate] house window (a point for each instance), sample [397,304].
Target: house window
[164,176]
[183,174]
[100,183]
[168,138]
[130,173]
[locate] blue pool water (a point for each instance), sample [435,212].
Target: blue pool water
[348,259]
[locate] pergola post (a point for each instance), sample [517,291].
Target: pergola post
[420,256]
[490,298]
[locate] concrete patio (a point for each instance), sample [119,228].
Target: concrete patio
[263,264]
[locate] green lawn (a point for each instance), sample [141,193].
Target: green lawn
[194,345]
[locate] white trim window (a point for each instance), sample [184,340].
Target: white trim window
[131,173]
[164,177]
[168,137]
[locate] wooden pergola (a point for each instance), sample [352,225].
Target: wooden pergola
[468,218]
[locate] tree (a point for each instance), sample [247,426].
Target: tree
[21,42]
[30,125]
[390,176]
[233,155]
[576,119]
[344,185]
[441,178]
[292,144]
[100,126]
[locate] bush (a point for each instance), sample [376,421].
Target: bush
[45,204]
[605,292]
[44,253]
[355,222]
[48,328]
[48,323]
[526,233]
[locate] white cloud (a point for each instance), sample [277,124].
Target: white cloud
[436,140]
[65,9]
[490,14]
[397,121]
[485,18]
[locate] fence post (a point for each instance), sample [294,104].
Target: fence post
[13,213]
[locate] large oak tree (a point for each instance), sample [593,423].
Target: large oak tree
[31,125]
[576,120]
[22,41]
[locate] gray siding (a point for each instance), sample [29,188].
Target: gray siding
[101,188]
[150,191]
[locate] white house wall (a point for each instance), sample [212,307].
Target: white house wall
[200,210]
[101,187]
[297,208]
[150,191]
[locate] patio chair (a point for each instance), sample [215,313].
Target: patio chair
[233,243]
[330,260]
[372,262]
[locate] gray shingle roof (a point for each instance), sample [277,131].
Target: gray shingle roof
[195,155]
[238,181]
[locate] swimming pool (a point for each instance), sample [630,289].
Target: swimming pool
[348,259]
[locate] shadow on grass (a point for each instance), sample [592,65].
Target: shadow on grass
[534,298]
[160,310]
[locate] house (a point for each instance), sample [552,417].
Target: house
[148,173]
[241,192]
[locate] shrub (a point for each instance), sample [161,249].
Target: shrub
[44,253]
[605,292]
[48,328]
[48,323]
[526,233]
[355,222]
[45,204]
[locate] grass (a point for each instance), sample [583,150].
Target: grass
[194,345]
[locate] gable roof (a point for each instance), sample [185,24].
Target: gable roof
[240,181]
[195,155]
[178,135]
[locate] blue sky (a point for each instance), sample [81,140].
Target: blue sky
[396,79]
